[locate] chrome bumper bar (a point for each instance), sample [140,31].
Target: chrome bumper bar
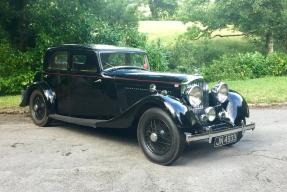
[212,134]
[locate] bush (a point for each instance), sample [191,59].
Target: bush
[277,63]
[227,67]
[246,66]
[188,56]
[157,56]
[16,69]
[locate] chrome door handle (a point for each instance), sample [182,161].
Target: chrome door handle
[98,81]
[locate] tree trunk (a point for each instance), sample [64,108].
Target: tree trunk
[153,9]
[269,42]
[22,44]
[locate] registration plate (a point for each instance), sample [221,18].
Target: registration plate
[225,139]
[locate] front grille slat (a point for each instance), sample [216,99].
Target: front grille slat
[203,84]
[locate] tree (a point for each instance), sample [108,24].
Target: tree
[162,8]
[29,23]
[266,19]
[14,21]
[29,27]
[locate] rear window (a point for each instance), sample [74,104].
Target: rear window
[59,60]
[84,61]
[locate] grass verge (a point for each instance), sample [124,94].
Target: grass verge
[267,90]
[9,101]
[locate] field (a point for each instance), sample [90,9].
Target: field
[168,31]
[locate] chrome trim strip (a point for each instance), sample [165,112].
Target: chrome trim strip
[210,134]
[191,78]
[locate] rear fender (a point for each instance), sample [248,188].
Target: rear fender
[48,93]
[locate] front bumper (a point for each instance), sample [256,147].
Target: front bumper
[210,134]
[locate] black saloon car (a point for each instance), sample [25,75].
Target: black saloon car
[113,87]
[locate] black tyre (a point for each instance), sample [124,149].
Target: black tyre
[38,109]
[161,141]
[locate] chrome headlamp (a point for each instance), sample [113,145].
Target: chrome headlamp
[221,90]
[194,95]
[210,113]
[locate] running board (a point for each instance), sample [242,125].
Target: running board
[77,121]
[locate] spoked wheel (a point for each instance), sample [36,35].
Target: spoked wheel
[38,108]
[159,138]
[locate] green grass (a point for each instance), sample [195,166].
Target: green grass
[9,101]
[268,90]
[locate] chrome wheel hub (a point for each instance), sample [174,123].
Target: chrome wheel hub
[157,137]
[36,107]
[153,137]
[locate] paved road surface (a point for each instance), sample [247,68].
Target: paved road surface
[72,158]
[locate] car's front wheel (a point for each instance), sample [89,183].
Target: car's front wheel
[38,108]
[161,141]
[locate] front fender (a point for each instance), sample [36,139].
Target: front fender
[48,93]
[237,107]
[180,114]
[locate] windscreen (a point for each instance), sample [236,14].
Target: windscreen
[117,59]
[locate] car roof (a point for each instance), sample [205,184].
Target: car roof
[98,47]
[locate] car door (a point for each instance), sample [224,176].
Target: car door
[57,76]
[92,95]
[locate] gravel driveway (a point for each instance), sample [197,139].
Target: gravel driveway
[66,157]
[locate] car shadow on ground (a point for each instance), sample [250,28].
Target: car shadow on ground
[200,151]
[125,136]
[194,152]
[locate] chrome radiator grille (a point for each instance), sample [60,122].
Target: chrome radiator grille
[204,86]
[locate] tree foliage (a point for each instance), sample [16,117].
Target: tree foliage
[29,27]
[160,9]
[28,22]
[262,18]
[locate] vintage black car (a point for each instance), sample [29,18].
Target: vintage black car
[114,87]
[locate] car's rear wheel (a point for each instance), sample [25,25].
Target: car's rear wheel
[161,141]
[38,109]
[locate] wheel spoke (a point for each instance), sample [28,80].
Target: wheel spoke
[37,100]
[165,143]
[153,125]
[163,138]
[157,137]
[39,107]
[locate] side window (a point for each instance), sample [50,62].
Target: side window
[59,60]
[85,61]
